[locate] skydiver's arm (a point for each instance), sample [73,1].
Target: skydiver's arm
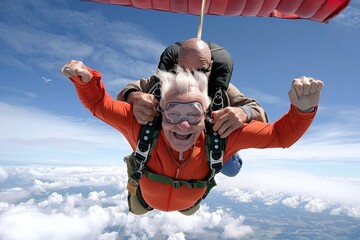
[144,104]
[252,108]
[304,97]
[92,93]
[143,85]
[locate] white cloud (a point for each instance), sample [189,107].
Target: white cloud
[109,236]
[53,199]
[292,202]
[17,91]
[234,230]
[350,17]
[34,42]
[80,177]
[316,205]
[294,189]
[177,236]
[122,48]
[13,194]
[57,204]
[51,136]
[3,174]
[102,215]
[31,224]
[73,223]
[96,196]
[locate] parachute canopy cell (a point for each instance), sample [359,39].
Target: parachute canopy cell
[316,10]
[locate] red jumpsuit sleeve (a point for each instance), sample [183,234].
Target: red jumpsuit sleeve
[117,114]
[281,134]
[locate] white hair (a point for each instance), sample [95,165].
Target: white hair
[184,81]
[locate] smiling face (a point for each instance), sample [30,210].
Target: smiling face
[184,101]
[183,120]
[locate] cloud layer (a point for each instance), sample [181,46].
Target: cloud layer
[90,203]
[52,211]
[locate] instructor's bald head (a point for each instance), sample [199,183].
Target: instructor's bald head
[194,54]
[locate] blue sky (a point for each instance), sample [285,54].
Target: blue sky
[44,123]
[44,127]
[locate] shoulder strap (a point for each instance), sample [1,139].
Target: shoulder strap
[146,142]
[214,144]
[215,147]
[221,70]
[169,57]
[148,133]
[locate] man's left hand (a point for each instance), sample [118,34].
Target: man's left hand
[228,120]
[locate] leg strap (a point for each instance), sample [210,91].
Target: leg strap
[142,201]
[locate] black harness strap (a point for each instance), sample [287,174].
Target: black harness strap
[141,200]
[174,182]
[147,140]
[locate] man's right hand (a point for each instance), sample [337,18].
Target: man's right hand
[144,106]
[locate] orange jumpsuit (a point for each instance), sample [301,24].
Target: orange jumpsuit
[165,161]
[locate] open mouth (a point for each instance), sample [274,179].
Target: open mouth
[182,136]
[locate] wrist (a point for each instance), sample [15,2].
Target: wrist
[249,113]
[129,95]
[309,110]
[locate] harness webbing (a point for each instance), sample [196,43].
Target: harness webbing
[210,183]
[173,182]
[147,140]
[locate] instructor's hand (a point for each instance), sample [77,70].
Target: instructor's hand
[144,106]
[228,120]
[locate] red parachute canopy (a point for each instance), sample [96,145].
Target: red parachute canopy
[316,10]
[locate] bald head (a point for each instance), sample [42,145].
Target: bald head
[194,53]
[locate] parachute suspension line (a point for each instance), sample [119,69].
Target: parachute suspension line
[201,19]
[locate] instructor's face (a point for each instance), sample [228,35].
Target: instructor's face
[198,64]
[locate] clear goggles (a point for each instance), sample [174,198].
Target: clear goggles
[176,112]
